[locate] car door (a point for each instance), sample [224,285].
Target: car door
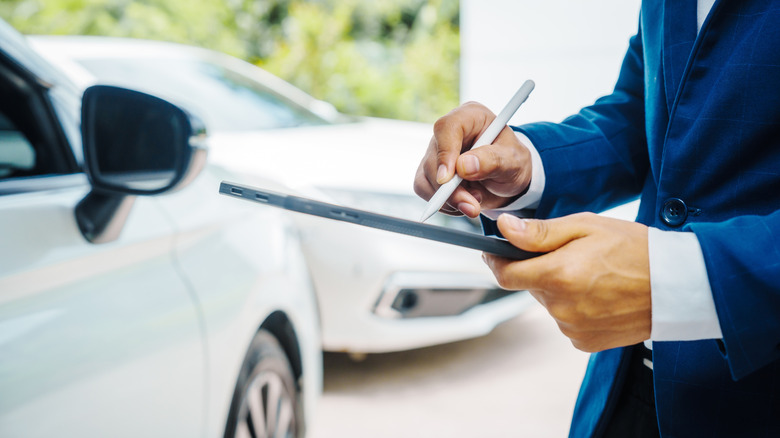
[96,340]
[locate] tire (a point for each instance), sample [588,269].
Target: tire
[265,402]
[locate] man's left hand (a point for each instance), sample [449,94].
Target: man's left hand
[594,280]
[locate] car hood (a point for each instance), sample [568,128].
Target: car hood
[369,154]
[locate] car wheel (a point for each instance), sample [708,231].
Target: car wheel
[265,402]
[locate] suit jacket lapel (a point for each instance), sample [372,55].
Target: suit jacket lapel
[679,36]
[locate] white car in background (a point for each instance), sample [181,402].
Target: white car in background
[122,315]
[377,291]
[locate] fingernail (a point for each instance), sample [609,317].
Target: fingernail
[441,174]
[467,209]
[515,223]
[470,164]
[484,258]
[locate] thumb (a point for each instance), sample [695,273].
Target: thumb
[539,235]
[504,167]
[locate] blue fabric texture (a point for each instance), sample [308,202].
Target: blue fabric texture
[694,117]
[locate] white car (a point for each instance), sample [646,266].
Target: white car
[377,291]
[125,315]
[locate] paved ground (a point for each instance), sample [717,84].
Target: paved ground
[519,381]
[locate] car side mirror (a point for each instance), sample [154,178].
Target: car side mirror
[134,144]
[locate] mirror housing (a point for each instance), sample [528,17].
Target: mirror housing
[134,144]
[138,144]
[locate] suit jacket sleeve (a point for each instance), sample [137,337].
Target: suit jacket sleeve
[601,148]
[598,158]
[743,264]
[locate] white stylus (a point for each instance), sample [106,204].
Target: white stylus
[487,137]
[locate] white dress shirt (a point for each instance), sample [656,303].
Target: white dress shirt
[682,305]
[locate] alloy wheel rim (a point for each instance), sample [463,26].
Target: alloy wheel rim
[266,409]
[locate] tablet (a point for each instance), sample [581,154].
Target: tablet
[299,204]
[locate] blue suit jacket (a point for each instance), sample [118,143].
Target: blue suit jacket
[694,117]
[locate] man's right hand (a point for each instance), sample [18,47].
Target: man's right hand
[495,174]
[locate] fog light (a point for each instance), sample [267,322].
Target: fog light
[419,294]
[405,301]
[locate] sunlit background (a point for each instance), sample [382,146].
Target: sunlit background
[405,59]
[385,58]
[412,60]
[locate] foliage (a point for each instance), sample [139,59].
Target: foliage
[384,58]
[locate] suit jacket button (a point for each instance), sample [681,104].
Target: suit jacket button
[674,212]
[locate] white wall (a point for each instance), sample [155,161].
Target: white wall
[572,49]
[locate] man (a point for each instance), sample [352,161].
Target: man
[693,128]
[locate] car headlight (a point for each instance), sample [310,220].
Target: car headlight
[405,206]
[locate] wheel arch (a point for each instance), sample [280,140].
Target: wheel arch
[279,325]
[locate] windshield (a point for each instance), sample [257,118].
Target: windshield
[224,99]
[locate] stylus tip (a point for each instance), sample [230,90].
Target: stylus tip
[426,215]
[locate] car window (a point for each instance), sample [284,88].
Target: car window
[225,99]
[17,155]
[32,142]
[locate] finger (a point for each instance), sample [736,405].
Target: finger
[504,167]
[518,275]
[425,178]
[423,185]
[537,236]
[542,235]
[487,199]
[497,156]
[465,202]
[425,189]
[454,133]
[477,198]
[448,141]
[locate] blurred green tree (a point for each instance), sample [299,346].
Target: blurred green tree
[383,58]
[201,22]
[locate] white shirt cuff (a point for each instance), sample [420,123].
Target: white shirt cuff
[682,305]
[530,200]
